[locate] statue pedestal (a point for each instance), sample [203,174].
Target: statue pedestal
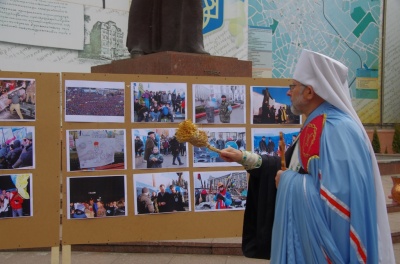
[179,63]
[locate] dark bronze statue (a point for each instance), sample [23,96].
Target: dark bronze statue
[165,25]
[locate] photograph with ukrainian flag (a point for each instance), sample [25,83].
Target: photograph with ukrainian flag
[15,195]
[220,190]
[158,102]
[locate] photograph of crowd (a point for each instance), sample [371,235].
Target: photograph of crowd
[99,149]
[93,197]
[271,105]
[266,140]
[94,101]
[219,190]
[16,148]
[158,102]
[219,138]
[16,195]
[17,99]
[158,148]
[218,104]
[161,192]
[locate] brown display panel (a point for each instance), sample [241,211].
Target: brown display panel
[188,225]
[43,227]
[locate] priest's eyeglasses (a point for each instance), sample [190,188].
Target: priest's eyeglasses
[292,86]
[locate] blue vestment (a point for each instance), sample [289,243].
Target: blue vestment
[329,214]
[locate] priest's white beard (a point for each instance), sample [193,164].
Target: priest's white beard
[297,104]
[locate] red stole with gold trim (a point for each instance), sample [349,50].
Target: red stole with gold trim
[310,140]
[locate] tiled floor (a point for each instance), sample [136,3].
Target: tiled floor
[135,258]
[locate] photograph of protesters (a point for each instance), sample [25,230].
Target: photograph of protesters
[94,101]
[169,150]
[217,190]
[158,102]
[218,104]
[271,105]
[16,195]
[266,140]
[17,148]
[157,193]
[219,138]
[96,197]
[17,99]
[96,149]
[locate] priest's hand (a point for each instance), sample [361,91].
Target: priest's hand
[231,155]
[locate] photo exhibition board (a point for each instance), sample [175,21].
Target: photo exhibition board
[164,166]
[30,129]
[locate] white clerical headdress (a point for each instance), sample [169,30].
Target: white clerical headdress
[328,78]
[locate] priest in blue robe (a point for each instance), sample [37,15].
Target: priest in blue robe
[330,206]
